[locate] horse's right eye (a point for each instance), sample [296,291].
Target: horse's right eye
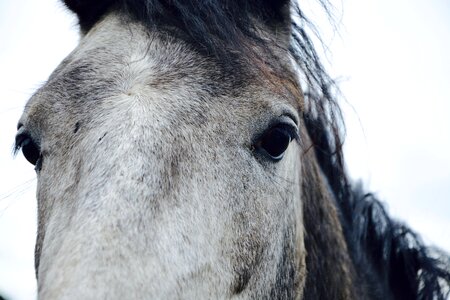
[29,148]
[275,141]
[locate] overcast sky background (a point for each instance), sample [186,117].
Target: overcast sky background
[393,59]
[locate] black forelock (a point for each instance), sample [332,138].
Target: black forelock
[214,26]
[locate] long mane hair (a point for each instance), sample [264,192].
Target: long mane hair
[390,257]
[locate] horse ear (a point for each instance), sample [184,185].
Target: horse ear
[276,5]
[278,10]
[88,11]
[277,15]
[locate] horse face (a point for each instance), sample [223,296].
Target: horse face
[160,176]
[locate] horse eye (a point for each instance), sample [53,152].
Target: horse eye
[29,148]
[276,141]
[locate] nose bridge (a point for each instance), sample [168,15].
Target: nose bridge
[110,214]
[125,218]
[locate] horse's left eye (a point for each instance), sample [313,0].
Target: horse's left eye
[276,140]
[29,148]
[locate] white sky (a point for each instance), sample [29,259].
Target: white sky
[393,56]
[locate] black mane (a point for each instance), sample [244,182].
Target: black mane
[391,257]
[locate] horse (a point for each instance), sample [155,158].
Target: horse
[193,149]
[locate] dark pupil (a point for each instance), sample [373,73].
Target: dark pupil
[275,142]
[30,151]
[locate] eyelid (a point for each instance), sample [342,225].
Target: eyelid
[287,122]
[21,136]
[291,116]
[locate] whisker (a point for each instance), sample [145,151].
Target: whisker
[10,109]
[8,198]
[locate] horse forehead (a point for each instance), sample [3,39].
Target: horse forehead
[157,57]
[116,58]
[127,60]
[133,55]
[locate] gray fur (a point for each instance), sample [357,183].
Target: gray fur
[151,187]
